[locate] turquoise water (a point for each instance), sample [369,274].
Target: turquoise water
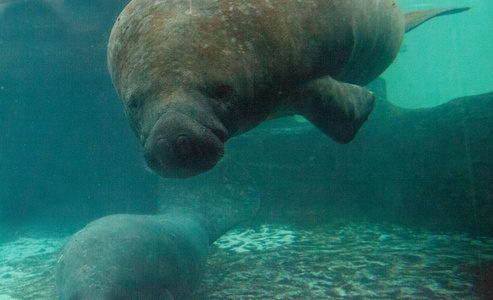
[404,210]
[448,58]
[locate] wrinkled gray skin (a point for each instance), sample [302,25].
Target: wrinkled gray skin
[189,80]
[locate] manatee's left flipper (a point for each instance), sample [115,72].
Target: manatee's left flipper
[338,109]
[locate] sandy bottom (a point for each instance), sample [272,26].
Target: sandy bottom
[273,261]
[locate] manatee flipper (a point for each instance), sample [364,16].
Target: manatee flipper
[338,109]
[418,17]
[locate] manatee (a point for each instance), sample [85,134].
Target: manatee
[134,257]
[192,74]
[158,256]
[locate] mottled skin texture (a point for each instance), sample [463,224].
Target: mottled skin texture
[191,80]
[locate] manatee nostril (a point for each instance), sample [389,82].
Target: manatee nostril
[194,149]
[184,146]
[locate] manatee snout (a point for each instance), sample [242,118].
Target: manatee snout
[178,146]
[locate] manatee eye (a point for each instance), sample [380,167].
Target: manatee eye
[219,91]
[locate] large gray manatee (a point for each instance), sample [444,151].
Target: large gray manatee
[192,74]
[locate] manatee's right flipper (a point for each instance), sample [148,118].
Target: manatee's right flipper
[338,109]
[416,18]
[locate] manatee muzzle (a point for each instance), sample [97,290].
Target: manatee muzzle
[179,146]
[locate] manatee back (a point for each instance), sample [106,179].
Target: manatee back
[283,41]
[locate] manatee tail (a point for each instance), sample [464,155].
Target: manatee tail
[416,18]
[219,199]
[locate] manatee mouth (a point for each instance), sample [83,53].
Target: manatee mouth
[180,147]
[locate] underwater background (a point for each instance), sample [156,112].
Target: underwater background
[405,210]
